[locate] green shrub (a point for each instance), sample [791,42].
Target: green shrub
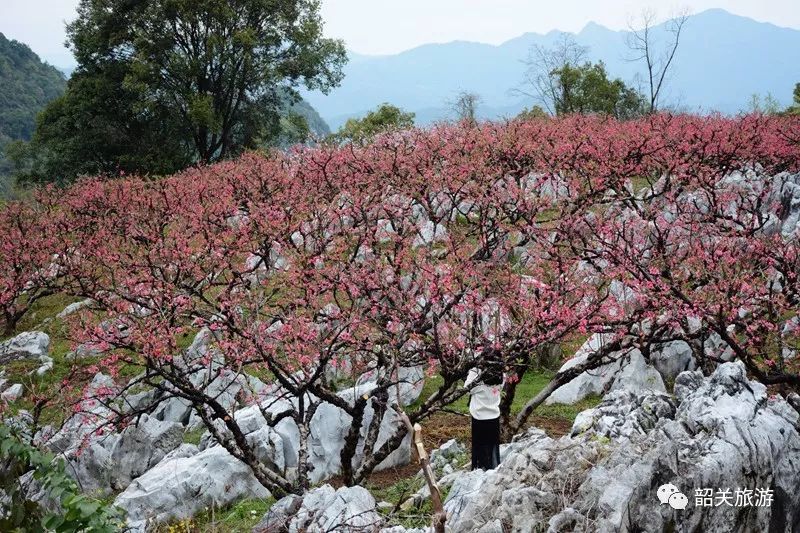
[76,511]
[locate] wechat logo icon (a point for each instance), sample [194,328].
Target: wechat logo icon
[670,494]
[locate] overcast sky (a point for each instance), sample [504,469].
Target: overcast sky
[390,26]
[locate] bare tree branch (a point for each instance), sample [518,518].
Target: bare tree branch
[657,57]
[538,81]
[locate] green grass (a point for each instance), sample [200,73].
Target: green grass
[239,517]
[547,215]
[641,182]
[184,340]
[397,493]
[416,517]
[43,317]
[192,436]
[42,314]
[567,412]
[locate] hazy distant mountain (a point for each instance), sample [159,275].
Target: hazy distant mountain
[722,60]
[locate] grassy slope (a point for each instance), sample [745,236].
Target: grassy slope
[42,317]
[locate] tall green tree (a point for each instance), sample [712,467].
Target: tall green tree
[164,83]
[794,109]
[562,81]
[587,89]
[386,117]
[100,125]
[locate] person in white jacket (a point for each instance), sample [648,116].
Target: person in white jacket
[484,406]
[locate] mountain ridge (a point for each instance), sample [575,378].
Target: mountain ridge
[556,32]
[723,59]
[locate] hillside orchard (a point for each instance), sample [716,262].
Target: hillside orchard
[423,252]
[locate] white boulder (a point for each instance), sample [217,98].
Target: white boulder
[324,509]
[46,366]
[75,307]
[637,375]
[13,393]
[28,345]
[181,487]
[672,358]
[429,233]
[595,381]
[628,369]
[140,447]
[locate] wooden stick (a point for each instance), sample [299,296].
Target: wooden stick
[418,449]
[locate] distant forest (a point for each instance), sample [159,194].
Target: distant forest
[26,86]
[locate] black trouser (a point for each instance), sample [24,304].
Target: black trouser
[485,443]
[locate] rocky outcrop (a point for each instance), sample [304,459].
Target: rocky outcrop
[222,384]
[321,510]
[429,233]
[624,414]
[722,433]
[90,463]
[267,443]
[174,409]
[592,382]
[163,479]
[180,487]
[140,447]
[91,414]
[101,460]
[785,193]
[85,439]
[636,374]
[628,370]
[672,358]
[445,461]
[328,430]
[28,345]
[410,382]
[446,457]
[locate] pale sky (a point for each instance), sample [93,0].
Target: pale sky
[391,26]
